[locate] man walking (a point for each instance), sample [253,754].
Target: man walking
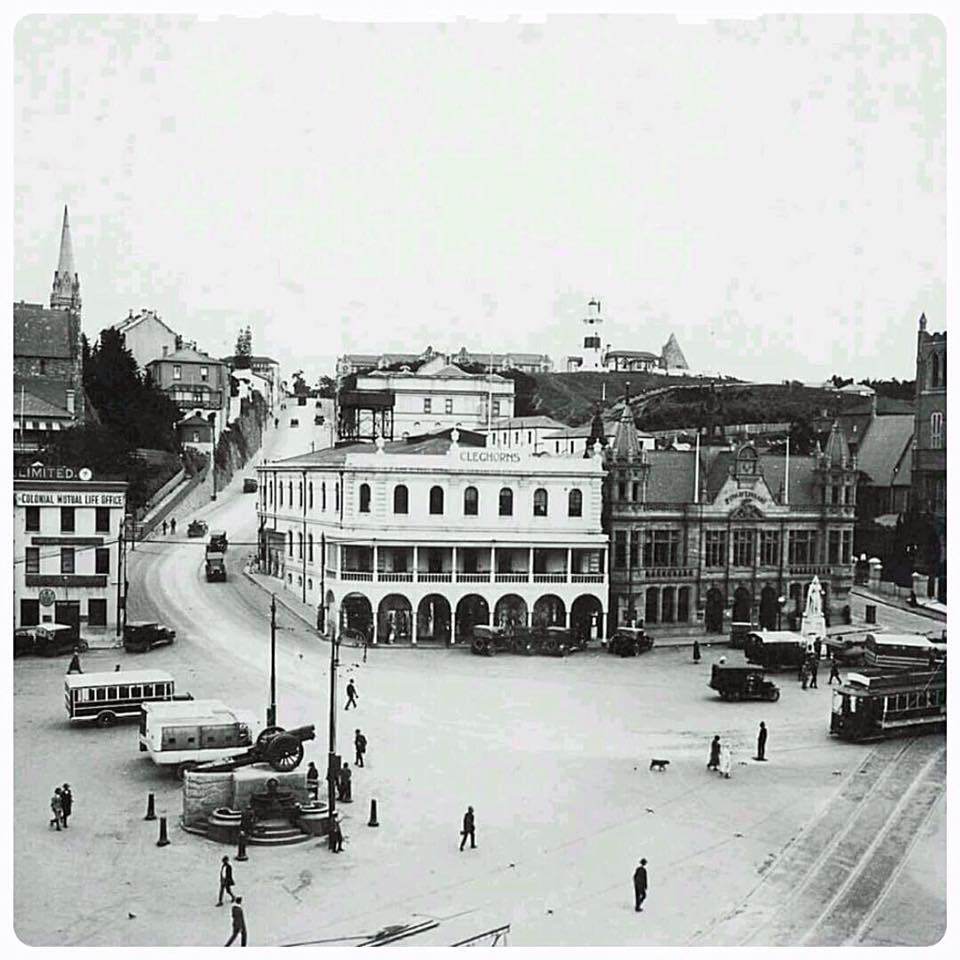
[640,886]
[696,651]
[56,808]
[164,525]
[346,794]
[74,666]
[66,802]
[804,675]
[336,834]
[469,830]
[226,881]
[313,781]
[762,742]
[351,695]
[814,666]
[360,748]
[173,526]
[239,924]
[714,762]
[834,673]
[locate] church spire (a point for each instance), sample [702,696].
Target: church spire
[65,294]
[626,444]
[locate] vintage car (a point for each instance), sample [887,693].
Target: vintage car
[294,422]
[218,542]
[489,640]
[142,635]
[47,640]
[742,683]
[249,485]
[197,528]
[629,641]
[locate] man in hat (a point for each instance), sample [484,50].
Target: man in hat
[74,666]
[226,881]
[640,885]
[239,924]
[762,742]
[66,802]
[360,747]
[313,780]
[714,762]
[834,672]
[346,791]
[469,829]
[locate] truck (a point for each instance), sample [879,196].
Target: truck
[215,567]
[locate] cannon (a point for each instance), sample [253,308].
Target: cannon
[282,749]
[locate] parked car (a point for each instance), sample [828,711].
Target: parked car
[47,640]
[218,542]
[197,528]
[294,422]
[249,485]
[742,683]
[630,641]
[139,636]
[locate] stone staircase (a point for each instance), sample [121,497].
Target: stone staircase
[276,832]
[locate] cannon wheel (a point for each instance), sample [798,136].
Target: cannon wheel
[285,753]
[266,733]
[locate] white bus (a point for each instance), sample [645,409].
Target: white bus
[902,651]
[184,734]
[105,697]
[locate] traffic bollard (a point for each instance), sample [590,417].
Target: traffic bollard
[163,841]
[151,811]
[241,847]
[373,815]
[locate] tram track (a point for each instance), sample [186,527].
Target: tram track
[828,878]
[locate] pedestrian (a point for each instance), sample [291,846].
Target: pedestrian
[164,527]
[239,923]
[66,802]
[726,760]
[56,808]
[696,651]
[351,695]
[817,647]
[336,834]
[834,672]
[640,885]
[173,526]
[346,790]
[74,666]
[116,669]
[814,667]
[360,748]
[226,881]
[804,675]
[365,644]
[313,781]
[762,742]
[714,762]
[469,830]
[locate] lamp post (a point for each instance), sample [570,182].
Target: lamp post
[272,707]
[213,455]
[333,764]
[781,603]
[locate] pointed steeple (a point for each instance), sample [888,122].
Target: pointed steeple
[65,294]
[837,453]
[626,445]
[671,357]
[598,432]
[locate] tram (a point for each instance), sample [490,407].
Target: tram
[874,705]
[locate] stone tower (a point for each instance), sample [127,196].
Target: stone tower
[65,294]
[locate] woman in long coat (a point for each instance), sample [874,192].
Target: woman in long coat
[726,760]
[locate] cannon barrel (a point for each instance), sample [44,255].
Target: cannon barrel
[308,732]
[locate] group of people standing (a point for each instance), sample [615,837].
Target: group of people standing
[61,806]
[721,753]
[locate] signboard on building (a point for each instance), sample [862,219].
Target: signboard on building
[69,498]
[37,471]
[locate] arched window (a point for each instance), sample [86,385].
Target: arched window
[575,503]
[436,500]
[290,491]
[336,496]
[300,493]
[300,546]
[401,499]
[471,502]
[280,491]
[364,497]
[323,495]
[934,371]
[270,492]
[310,495]
[506,502]
[310,547]
[540,502]
[936,430]
[290,542]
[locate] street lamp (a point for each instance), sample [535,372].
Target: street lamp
[781,603]
[333,761]
[272,706]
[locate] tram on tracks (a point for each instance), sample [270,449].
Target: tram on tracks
[875,705]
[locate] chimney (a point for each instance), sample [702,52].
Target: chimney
[71,401]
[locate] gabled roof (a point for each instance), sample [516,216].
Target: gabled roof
[432,444]
[195,421]
[885,453]
[38,332]
[128,323]
[186,355]
[30,405]
[773,467]
[47,390]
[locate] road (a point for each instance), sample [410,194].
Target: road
[553,755]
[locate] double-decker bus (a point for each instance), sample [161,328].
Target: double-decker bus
[874,705]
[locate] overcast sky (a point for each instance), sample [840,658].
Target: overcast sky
[771,191]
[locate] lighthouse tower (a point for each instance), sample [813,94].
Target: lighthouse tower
[591,357]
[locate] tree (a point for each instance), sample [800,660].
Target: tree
[327,387]
[300,387]
[244,350]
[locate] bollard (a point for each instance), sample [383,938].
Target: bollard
[373,815]
[696,651]
[151,811]
[241,847]
[163,841]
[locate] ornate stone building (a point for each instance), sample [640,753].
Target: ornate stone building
[707,537]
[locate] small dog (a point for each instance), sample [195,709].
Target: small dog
[660,765]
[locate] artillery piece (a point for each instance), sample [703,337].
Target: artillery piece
[282,749]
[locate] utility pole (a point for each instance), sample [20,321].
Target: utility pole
[333,761]
[303,496]
[322,624]
[120,598]
[213,456]
[272,708]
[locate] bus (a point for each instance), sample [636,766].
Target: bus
[105,697]
[880,704]
[775,649]
[902,650]
[183,735]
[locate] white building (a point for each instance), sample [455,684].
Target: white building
[147,337]
[66,527]
[590,358]
[425,538]
[438,396]
[522,433]
[573,441]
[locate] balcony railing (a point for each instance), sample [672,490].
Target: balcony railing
[474,577]
[389,576]
[393,576]
[549,578]
[809,569]
[434,577]
[587,578]
[513,578]
[355,575]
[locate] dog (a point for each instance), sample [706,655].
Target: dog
[660,765]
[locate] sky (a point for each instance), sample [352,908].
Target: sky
[770,190]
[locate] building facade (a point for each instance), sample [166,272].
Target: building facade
[419,540]
[147,337]
[490,361]
[197,383]
[713,536]
[48,391]
[929,481]
[522,433]
[66,531]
